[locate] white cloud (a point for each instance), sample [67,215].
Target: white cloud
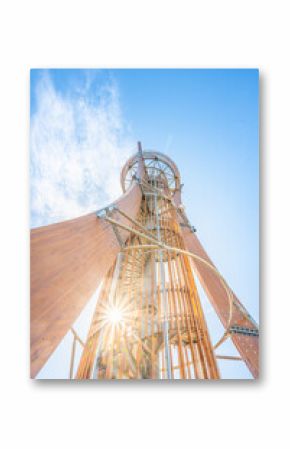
[78,146]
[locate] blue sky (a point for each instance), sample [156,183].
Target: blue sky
[85,124]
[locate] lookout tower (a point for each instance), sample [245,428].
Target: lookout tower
[145,256]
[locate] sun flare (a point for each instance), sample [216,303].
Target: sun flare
[115,315]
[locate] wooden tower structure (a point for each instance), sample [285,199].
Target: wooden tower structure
[144,255]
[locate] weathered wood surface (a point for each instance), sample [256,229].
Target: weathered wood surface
[248,346]
[68,261]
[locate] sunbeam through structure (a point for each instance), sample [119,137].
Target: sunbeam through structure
[148,322]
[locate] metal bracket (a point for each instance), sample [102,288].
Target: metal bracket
[244,331]
[185,225]
[102,213]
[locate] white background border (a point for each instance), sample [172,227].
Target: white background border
[144,34]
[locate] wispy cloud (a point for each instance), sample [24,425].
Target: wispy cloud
[79,142]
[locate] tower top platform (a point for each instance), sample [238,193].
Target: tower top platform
[156,163]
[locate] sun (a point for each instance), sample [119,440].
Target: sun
[115,315]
